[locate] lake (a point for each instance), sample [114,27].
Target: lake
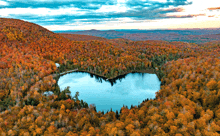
[127,90]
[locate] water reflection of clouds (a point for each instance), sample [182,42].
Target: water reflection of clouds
[71,77]
[121,88]
[149,81]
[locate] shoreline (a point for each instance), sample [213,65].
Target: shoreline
[150,71]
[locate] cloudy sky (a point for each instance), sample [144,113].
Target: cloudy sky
[114,14]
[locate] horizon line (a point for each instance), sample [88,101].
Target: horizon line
[139,29]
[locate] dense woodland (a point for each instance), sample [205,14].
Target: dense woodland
[188,102]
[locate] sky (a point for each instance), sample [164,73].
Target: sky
[114,14]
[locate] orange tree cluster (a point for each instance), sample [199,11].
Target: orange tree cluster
[112,58]
[20,64]
[186,104]
[22,71]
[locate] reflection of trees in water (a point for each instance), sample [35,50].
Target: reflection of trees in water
[111,81]
[139,74]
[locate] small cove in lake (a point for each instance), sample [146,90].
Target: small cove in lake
[127,90]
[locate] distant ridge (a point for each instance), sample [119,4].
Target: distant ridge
[78,37]
[109,34]
[186,35]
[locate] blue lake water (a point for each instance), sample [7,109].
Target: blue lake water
[130,89]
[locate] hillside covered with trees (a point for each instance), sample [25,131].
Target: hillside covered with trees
[188,102]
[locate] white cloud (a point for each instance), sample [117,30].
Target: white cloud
[42,0]
[198,7]
[201,5]
[112,8]
[159,1]
[127,23]
[121,1]
[8,12]
[119,7]
[3,3]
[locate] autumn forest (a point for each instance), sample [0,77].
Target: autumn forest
[188,102]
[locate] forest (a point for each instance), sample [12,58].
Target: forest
[188,102]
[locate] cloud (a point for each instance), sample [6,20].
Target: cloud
[184,16]
[39,11]
[175,9]
[3,3]
[155,4]
[214,8]
[152,9]
[54,4]
[91,6]
[211,16]
[79,12]
[112,8]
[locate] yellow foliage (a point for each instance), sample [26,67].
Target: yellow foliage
[39,131]
[26,134]
[51,129]
[71,134]
[121,133]
[135,133]
[92,130]
[170,115]
[40,105]
[212,84]
[1,120]
[62,107]
[10,133]
[120,125]
[129,128]
[113,131]
[173,129]
[140,113]
[178,134]
[218,84]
